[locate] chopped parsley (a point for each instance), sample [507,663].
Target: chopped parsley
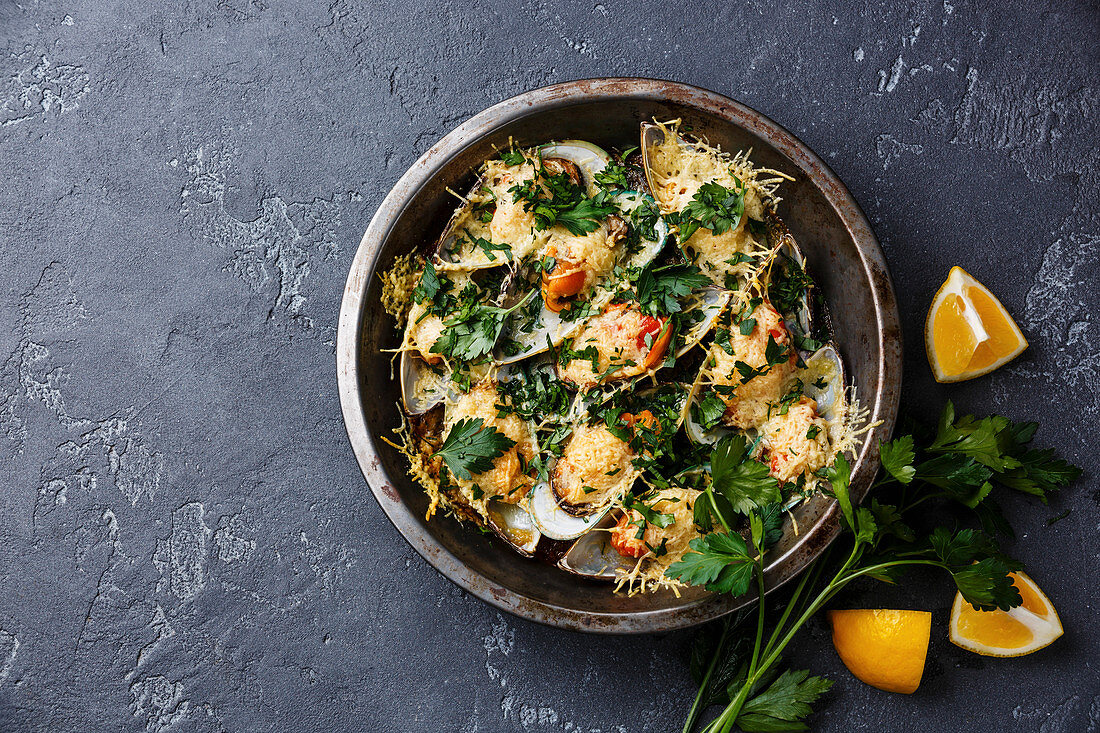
[713,207]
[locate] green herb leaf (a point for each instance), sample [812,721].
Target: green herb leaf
[840,476]
[742,480]
[986,585]
[718,561]
[1040,472]
[897,458]
[428,286]
[471,447]
[714,207]
[585,216]
[784,705]
[659,290]
[612,177]
[709,410]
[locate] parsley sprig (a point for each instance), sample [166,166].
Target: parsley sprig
[661,290]
[473,331]
[553,198]
[471,447]
[953,470]
[713,207]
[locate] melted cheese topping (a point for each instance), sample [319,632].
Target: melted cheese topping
[789,452]
[595,253]
[677,502]
[423,331]
[505,480]
[510,223]
[751,402]
[680,168]
[594,469]
[614,333]
[712,252]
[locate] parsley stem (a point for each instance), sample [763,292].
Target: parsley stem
[717,511]
[693,714]
[808,579]
[758,571]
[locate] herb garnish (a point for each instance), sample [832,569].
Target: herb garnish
[471,447]
[556,199]
[659,289]
[473,332]
[714,207]
[736,665]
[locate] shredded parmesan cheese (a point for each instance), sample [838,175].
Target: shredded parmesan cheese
[507,479]
[649,572]
[594,469]
[751,402]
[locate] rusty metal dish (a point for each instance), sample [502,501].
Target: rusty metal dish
[842,253]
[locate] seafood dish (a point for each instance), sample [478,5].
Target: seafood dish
[592,330]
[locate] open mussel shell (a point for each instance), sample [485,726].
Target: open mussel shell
[445,258]
[593,556]
[653,136]
[590,159]
[422,387]
[711,301]
[555,522]
[628,201]
[790,254]
[823,382]
[550,329]
[513,524]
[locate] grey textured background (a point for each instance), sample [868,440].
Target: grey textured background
[185,540]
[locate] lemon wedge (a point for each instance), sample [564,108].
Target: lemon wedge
[1013,633]
[968,332]
[882,647]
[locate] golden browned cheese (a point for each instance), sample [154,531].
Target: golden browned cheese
[506,480]
[712,252]
[614,333]
[749,405]
[594,253]
[682,170]
[423,331]
[790,453]
[510,223]
[677,502]
[594,468]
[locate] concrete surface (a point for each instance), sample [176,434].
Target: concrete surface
[185,540]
